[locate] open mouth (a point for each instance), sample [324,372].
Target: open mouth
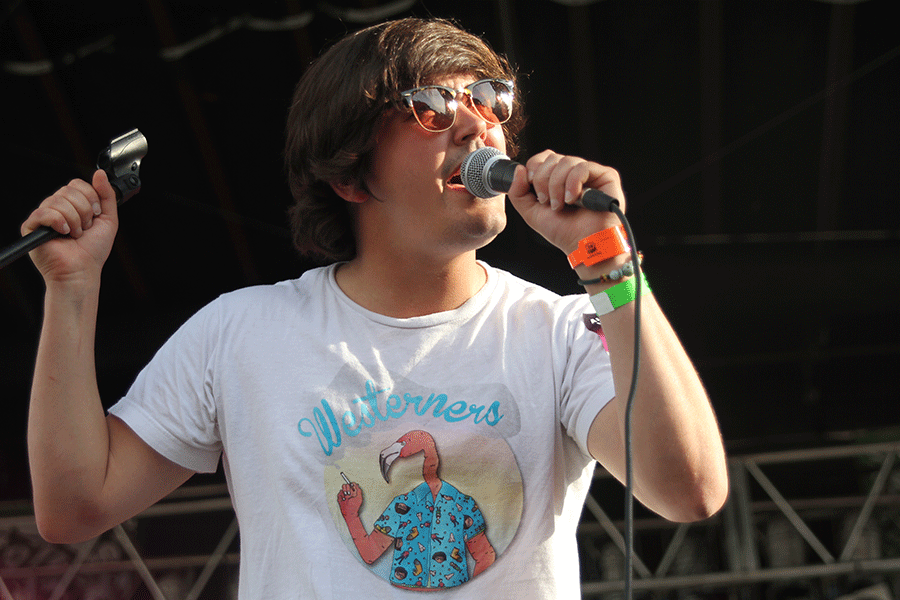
[455,179]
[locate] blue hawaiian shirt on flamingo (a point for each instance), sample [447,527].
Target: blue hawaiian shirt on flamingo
[430,524]
[430,535]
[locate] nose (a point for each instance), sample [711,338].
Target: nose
[469,123]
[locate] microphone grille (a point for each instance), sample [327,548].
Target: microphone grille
[473,171]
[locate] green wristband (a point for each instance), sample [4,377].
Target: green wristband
[618,295]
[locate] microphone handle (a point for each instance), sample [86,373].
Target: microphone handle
[500,177]
[26,244]
[596,200]
[500,174]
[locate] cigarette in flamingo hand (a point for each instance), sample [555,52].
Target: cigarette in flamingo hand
[345,478]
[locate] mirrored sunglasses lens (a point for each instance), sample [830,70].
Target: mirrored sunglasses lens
[434,108]
[493,100]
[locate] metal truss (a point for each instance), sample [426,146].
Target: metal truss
[768,534]
[112,566]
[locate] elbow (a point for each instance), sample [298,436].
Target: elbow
[703,508]
[66,526]
[703,500]
[54,530]
[52,534]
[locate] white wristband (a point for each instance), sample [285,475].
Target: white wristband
[618,295]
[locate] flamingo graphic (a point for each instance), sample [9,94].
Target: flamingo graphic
[402,521]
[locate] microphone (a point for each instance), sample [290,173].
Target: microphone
[487,172]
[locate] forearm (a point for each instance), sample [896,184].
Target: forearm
[678,458]
[482,552]
[679,464]
[68,442]
[370,546]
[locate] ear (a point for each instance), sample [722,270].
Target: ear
[350,192]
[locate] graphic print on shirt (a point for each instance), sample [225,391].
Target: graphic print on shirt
[422,485]
[429,529]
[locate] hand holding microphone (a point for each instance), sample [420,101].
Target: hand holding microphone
[560,184]
[487,172]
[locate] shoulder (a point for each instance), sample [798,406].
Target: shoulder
[531,310]
[526,297]
[269,297]
[250,308]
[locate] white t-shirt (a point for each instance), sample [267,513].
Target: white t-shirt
[296,387]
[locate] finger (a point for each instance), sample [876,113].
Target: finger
[59,212]
[520,186]
[106,193]
[608,181]
[568,175]
[83,198]
[46,217]
[68,211]
[540,166]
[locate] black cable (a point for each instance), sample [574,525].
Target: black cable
[629,476]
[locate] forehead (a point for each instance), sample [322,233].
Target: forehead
[454,80]
[460,80]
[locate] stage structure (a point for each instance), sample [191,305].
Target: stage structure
[775,538]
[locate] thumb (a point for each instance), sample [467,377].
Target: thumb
[107,193]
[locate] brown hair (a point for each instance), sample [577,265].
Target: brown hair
[338,105]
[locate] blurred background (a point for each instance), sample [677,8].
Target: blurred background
[758,143]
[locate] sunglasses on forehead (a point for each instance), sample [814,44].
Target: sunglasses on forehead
[435,105]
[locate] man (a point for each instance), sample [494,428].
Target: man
[298,384]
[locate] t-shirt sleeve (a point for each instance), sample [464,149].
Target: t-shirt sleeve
[171,404]
[587,380]
[473,519]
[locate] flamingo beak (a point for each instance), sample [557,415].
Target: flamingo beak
[387,458]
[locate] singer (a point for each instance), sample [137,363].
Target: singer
[404,417]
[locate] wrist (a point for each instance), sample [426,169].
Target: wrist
[72,288]
[622,293]
[599,247]
[600,270]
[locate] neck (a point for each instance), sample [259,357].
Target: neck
[430,469]
[404,287]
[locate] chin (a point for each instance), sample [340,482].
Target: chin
[483,231]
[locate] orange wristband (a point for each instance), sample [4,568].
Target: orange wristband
[600,246]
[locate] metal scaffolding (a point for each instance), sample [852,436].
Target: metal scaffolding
[766,537]
[769,536]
